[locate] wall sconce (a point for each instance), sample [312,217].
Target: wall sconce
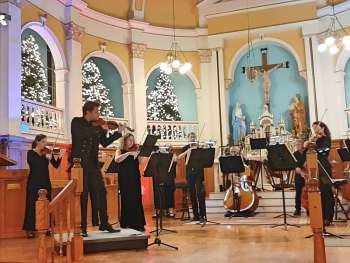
[4,19]
[103,46]
[43,19]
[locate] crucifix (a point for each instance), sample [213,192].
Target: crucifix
[264,70]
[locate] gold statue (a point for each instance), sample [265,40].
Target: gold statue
[298,116]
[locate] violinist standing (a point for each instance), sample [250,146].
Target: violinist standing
[132,214]
[300,156]
[195,180]
[38,178]
[323,146]
[86,139]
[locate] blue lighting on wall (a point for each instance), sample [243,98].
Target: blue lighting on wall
[285,84]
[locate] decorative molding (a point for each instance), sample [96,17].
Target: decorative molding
[303,74]
[137,50]
[74,31]
[205,55]
[339,8]
[14,2]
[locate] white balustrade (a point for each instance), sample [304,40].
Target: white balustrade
[172,131]
[38,117]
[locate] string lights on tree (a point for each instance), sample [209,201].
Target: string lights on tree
[34,85]
[94,89]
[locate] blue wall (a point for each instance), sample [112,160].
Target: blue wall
[112,80]
[184,90]
[347,87]
[285,84]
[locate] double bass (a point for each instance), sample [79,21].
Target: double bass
[240,196]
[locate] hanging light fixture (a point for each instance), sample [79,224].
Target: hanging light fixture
[173,62]
[249,69]
[333,40]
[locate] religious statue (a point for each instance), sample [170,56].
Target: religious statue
[298,116]
[239,128]
[264,70]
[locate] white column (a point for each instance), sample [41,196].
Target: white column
[137,51]
[73,94]
[10,69]
[203,94]
[128,97]
[310,79]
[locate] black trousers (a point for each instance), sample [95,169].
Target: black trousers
[94,184]
[327,201]
[197,194]
[299,185]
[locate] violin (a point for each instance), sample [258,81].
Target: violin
[134,148]
[53,150]
[112,125]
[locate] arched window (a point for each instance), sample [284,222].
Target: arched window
[102,82]
[183,90]
[38,82]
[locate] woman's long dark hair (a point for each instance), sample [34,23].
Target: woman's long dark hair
[37,139]
[325,128]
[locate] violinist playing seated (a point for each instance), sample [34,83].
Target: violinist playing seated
[299,180]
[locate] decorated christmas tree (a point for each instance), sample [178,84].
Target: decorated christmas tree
[95,90]
[162,102]
[33,76]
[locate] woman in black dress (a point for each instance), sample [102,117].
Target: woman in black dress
[38,179]
[132,215]
[323,147]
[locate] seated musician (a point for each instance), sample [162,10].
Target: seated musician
[300,156]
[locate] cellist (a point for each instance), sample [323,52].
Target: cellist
[323,142]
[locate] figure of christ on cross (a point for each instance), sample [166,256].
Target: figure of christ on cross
[264,70]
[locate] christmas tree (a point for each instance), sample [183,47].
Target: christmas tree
[33,76]
[95,90]
[162,102]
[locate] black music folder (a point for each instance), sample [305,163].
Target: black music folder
[201,158]
[231,164]
[148,146]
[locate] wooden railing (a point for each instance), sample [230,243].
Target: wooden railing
[58,222]
[172,131]
[39,117]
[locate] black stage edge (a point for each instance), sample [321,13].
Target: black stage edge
[126,239]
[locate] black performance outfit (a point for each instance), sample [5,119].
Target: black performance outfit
[299,180]
[85,145]
[195,180]
[323,146]
[132,215]
[38,179]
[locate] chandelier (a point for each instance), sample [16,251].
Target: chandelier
[331,39]
[173,62]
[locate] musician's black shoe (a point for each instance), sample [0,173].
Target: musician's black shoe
[108,228]
[297,213]
[203,219]
[84,233]
[195,218]
[327,222]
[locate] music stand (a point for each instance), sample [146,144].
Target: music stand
[234,165]
[281,159]
[201,158]
[148,145]
[158,167]
[259,144]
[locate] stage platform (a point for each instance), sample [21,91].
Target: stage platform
[98,241]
